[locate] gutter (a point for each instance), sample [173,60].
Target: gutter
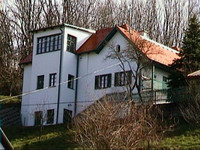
[60,71]
[76,88]
[152,80]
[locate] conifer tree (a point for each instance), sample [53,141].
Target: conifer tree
[190,52]
[189,61]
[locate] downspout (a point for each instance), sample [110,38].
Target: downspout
[76,88]
[152,82]
[60,71]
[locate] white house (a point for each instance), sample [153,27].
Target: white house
[77,59]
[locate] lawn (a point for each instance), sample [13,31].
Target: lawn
[53,137]
[183,137]
[59,137]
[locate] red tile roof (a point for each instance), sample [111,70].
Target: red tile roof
[27,60]
[95,39]
[152,50]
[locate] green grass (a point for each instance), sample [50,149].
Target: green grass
[60,138]
[183,137]
[10,102]
[53,137]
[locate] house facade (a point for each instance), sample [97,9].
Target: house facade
[69,69]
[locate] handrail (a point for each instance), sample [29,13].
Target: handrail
[5,142]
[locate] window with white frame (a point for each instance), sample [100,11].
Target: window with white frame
[103,81]
[49,43]
[52,80]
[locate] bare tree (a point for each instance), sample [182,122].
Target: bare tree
[10,78]
[133,58]
[164,22]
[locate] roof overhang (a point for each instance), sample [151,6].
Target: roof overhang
[61,26]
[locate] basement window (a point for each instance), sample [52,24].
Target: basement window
[50,116]
[38,118]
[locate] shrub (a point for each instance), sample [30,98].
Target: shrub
[118,125]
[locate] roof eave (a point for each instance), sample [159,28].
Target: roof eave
[105,41]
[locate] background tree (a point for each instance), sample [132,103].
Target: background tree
[189,54]
[183,91]
[151,16]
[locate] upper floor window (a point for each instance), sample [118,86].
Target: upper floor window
[123,78]
[103,81]
[40,82]
[164,82]
[70,81]
[118,48]
[71,43]
[52,79]
[49,43]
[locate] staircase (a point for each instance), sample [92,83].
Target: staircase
[10,116]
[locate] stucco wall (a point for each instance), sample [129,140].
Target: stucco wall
[45,64]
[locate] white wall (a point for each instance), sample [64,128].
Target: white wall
[92,62]
[45,64]
[26,88]
[69,66]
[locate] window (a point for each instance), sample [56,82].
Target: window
[70,81]
[103,81]
[49,43]
[50,116]
[118,48]
[71,43]
[52,80]
[164,83]
[38,118]
[40,82]
[123,78]
[67,116]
